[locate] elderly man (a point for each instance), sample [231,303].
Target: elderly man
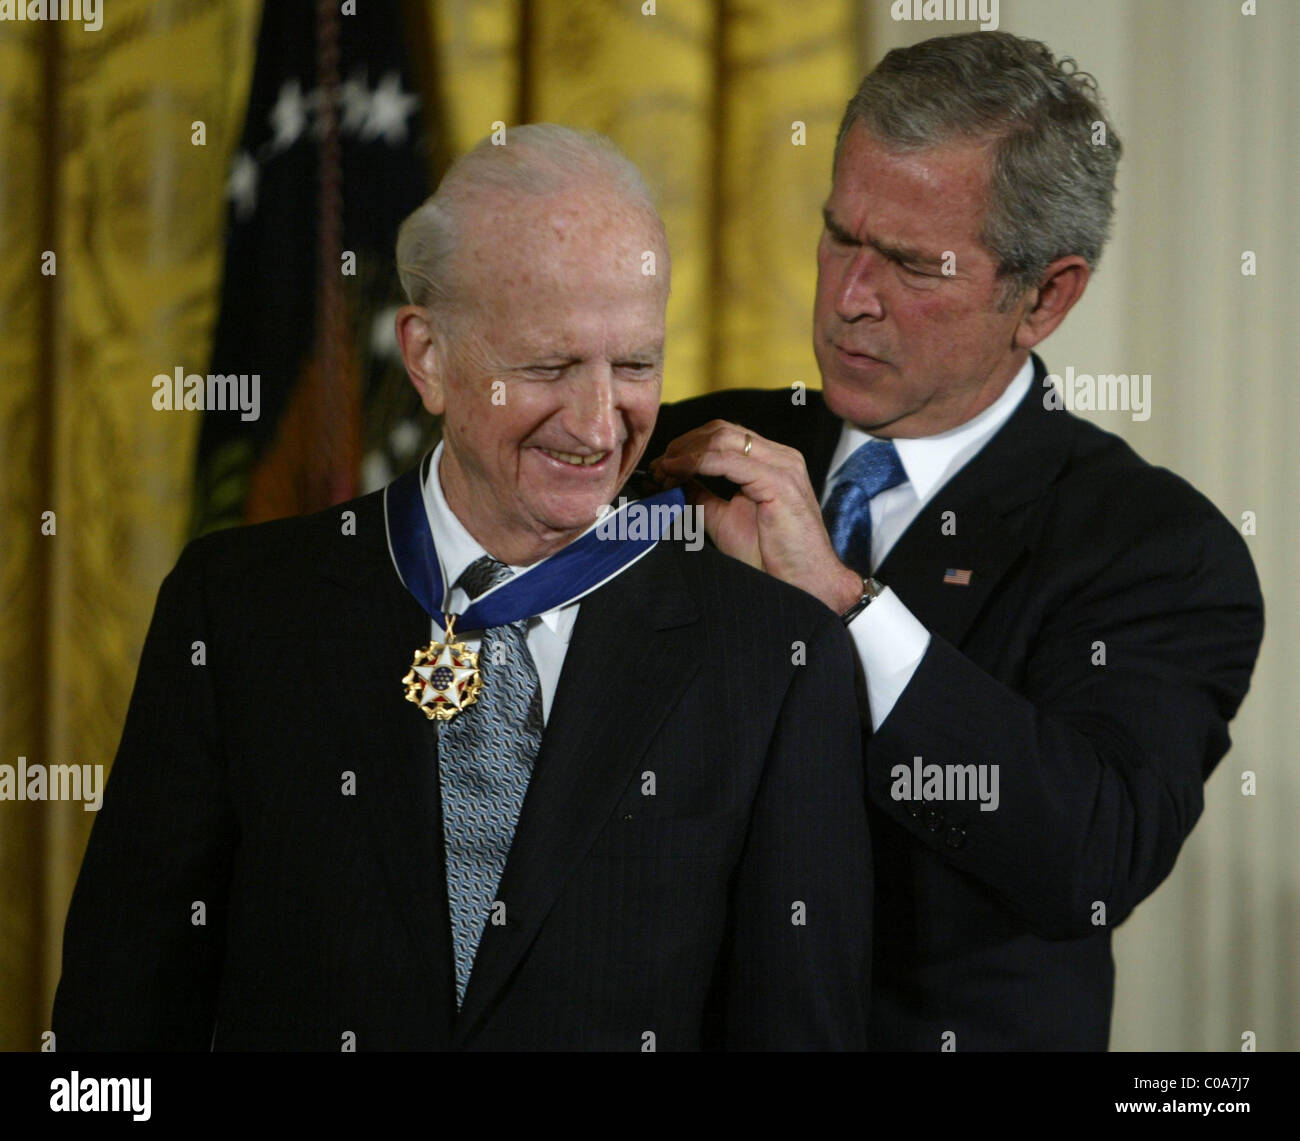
[466,765]
[1053,634]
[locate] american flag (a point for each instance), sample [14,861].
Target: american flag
[957,577]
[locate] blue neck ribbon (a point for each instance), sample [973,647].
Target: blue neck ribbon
[592,559]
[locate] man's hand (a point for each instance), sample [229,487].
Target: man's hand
[775,522]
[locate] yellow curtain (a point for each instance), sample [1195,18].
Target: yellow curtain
[729,108]
[105,167]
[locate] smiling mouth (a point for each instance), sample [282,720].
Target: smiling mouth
[573,459]
[862,356]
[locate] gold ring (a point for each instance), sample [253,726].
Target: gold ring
[749,443]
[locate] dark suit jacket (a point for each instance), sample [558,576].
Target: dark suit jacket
[730,909]
[986,923]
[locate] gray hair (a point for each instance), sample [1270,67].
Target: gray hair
[537,159]
[1052,181]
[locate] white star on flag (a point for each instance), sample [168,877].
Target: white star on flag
[389,109]
[383,335]
[288,117]
[355,97]
[241,186]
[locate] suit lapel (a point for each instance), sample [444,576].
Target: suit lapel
[395,746]
[629,661]
[918,564]
[1013,468]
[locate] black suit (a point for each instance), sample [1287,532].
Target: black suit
[674,914]
[985,922]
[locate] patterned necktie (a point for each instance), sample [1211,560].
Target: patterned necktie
[874,467]
[485,760]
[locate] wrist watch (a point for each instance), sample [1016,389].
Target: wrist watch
[871,590]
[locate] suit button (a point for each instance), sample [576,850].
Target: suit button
[956,837]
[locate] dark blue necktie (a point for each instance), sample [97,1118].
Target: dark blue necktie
[485,757]
[873,468]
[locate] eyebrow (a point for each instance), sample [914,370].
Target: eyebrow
[653,353]
[896,253]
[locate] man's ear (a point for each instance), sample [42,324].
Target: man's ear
[423,356]
[1062,284]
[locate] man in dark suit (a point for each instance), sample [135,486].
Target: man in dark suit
[1052,634]
[640,825]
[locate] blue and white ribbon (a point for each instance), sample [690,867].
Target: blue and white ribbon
[599,554]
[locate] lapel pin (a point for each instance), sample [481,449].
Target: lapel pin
[957,577]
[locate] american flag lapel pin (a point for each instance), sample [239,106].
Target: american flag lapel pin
[956,577]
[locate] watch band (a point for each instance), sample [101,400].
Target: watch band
[871,589]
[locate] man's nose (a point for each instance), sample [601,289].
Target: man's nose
[592,415]
[858,292]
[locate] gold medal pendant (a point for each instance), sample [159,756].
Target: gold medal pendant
[444,678]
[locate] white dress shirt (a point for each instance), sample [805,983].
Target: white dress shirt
[889,639]
[548,634]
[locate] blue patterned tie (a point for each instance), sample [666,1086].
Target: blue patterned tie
[874,467]
[485,759]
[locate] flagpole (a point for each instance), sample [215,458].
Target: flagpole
[334,475]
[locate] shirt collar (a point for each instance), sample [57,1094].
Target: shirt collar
[457,548]
[930,461]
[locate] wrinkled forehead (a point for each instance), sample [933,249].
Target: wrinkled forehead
[920,195]
[575,240]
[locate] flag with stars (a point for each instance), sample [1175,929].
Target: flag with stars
[336,150]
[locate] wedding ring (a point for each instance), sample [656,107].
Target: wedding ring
[749,443]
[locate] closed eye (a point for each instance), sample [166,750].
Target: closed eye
[546,371]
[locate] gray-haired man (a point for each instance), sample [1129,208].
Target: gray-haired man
[462,770]
[1053,635]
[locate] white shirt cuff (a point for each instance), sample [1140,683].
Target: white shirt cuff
[890,644]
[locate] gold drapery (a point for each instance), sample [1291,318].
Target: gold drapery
[730,109]
[104,166]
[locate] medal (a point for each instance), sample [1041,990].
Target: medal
[444,678]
